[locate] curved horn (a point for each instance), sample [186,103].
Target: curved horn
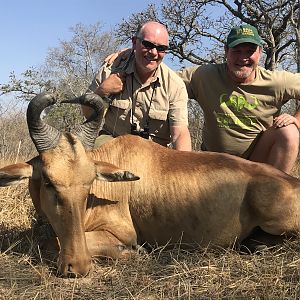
[44,136]
[88,131]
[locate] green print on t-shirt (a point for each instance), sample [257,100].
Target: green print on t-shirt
[227,120]
[231,106]
[238,102]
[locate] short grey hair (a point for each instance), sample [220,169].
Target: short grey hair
[139,31]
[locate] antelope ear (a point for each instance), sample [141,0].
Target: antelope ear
[109,172]
[15,174]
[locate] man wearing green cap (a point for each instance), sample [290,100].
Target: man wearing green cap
[241,102]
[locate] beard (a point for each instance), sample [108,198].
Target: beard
[243,74]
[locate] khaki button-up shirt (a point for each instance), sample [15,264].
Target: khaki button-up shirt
[156,105]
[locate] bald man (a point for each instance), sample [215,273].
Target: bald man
[146,97]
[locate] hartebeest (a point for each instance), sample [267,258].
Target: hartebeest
[196,198]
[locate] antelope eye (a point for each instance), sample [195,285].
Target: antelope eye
[47,182]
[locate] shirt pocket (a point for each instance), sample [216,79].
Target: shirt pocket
[158,114]
[121,103]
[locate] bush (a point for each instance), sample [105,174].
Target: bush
[15,142]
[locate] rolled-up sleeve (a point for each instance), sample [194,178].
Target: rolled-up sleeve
[178,111]
[187,75]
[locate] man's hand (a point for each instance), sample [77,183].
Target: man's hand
[285,120]
[112,85]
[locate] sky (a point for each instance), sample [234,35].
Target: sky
[29,28]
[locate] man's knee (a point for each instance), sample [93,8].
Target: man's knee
[288,135]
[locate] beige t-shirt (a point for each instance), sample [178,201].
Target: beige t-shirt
[236,113]
[156,105]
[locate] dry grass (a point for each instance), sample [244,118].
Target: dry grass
[176,274]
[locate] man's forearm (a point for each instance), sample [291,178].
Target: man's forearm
[181,138]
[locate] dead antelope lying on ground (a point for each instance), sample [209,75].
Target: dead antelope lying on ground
[193,197]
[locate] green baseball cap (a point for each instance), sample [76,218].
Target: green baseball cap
[243,34]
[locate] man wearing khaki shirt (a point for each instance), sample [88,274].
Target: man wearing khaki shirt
[147,98]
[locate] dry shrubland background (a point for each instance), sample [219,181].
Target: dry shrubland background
[209,273]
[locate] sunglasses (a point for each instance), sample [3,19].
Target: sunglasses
[149,45]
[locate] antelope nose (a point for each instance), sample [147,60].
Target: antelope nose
[72,268]
[73,272]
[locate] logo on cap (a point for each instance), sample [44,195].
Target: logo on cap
[245,31]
